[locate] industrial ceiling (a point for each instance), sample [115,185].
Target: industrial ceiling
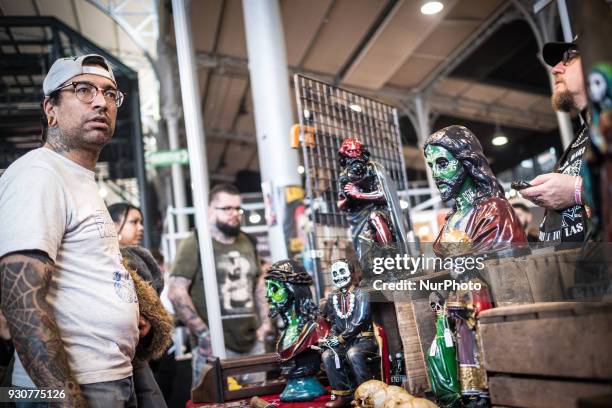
[476,62]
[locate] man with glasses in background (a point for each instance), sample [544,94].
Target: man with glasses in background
[561,192]
[69,302]
[242,300]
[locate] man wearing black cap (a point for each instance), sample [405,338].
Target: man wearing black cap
[560,192]
[70,303]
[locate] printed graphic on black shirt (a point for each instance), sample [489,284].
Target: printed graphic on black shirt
[568,225]
[236,284]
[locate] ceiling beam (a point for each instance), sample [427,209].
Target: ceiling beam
[239,67]
[385,15]
[224,136]
[503,15]
[493,113]
[490,113]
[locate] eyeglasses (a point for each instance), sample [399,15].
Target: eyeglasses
[86,92]
[229,209]
[569,56]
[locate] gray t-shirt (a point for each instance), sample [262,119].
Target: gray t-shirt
[51,204]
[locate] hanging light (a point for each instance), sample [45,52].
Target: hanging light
[301,169]
[499,138]
[432,7]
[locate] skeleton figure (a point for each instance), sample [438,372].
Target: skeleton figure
[341,274]
[350,346]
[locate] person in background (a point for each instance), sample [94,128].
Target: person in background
[561,192]
[238,275]
[155,324]
[524,215]
[6,352]
[128,222]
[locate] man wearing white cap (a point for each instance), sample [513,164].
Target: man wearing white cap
[69,302]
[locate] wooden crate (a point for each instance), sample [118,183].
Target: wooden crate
[539,277]
[213,382]
[414,356]
[563,339]
[551,276]
[547,354]
[541,393]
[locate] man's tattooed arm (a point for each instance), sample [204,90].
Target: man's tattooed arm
[262,309]
[24,283]
[178,292]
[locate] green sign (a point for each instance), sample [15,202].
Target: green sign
[167,158]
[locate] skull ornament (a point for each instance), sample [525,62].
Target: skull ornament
[341,273]
[370,394]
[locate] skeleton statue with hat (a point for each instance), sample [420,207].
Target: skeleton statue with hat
[351,347]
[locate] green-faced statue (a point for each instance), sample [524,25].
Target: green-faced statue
[289,297]
[481,218]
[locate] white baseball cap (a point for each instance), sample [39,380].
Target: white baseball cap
[65,68]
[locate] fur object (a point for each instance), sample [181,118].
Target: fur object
[155,343]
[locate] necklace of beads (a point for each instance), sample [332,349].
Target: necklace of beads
[349,312]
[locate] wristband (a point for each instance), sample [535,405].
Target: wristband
[203,334]
[578,190]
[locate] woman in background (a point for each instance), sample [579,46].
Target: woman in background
[128,222]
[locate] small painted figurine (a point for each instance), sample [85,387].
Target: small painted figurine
[351,346]
[289,296]
[481,219]
[369,198]
[472,376]
[442,357]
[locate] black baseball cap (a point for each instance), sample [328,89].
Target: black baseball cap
[552,52]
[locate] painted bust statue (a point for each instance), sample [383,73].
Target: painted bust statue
[481,219]
[369,198]
[288,294]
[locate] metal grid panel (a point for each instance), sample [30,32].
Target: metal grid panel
[333,114]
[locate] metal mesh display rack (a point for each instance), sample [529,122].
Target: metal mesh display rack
[327,115]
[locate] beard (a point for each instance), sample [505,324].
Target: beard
[454,186]
[563,101]
[227,229]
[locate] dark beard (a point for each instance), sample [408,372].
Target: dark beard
[455,186]
[562,101]
[228,230]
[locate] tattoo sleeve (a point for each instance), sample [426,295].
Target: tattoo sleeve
[178,292]
[261,303]
[24,280]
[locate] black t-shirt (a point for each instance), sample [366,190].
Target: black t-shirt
[569,224]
